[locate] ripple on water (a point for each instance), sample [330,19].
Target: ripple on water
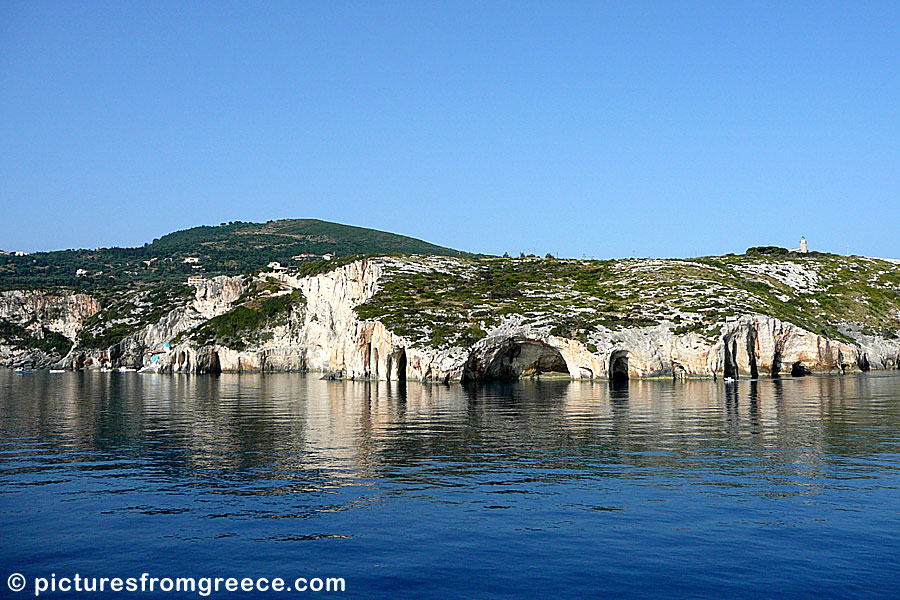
[661,489]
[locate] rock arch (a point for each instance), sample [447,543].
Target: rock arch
[395,367]
[864,363]
[513,359]
[751,353]
[208,361]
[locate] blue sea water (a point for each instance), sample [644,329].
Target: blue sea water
[654,489]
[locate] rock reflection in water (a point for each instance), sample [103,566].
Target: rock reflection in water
[794,480]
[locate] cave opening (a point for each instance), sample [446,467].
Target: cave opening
[525,358]
[401,365]
[751,354]
[864,363]
[798,369]
[776,364]
[214,366]
[731,368]
[618,367]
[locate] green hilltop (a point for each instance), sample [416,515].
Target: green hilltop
[226,249]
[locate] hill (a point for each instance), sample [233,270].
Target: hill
[226,249]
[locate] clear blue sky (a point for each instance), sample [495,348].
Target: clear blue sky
[599,129]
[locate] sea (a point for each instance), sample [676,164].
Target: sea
[770,488]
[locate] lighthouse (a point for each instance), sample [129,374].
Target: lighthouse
[803,247]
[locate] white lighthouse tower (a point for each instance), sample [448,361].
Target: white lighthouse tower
[803,247]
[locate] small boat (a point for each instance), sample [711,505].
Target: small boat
[126,370]
[105,370]
[57,370]
[24,370]
[729,380]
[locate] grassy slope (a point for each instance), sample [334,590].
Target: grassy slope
[226,249]
[444,302]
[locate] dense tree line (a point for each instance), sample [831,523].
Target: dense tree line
[227,249]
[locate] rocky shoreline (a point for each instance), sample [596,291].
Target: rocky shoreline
[325,334]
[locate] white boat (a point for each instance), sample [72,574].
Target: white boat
[57,370]
[126,370]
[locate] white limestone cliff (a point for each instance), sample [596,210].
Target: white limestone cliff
[35,313]
[62,313]
[326,335]
[211,298]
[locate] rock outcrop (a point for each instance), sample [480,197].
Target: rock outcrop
[212,297]
[62,313]
[29,316]
[326,335]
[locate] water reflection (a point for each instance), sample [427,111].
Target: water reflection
[293,424]
[789,481]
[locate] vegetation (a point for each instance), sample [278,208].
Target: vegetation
[245,323]
[444,301]
[309,269]
[124,313]
[227,249]
[452,302]
[770,250]
[45,340]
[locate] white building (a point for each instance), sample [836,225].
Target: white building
[328,256]
[276,266]
[190,260]
[803,249]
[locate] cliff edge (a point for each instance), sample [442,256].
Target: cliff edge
[448,319]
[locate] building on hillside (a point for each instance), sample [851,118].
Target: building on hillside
[189,260]
[276,266]
[195,279]
[328,256]
[803,249]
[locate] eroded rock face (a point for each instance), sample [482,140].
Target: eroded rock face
[62,313]
[34,312]
[756,345]
[327,336]
[212,297]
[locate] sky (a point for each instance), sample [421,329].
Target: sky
[597,129]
